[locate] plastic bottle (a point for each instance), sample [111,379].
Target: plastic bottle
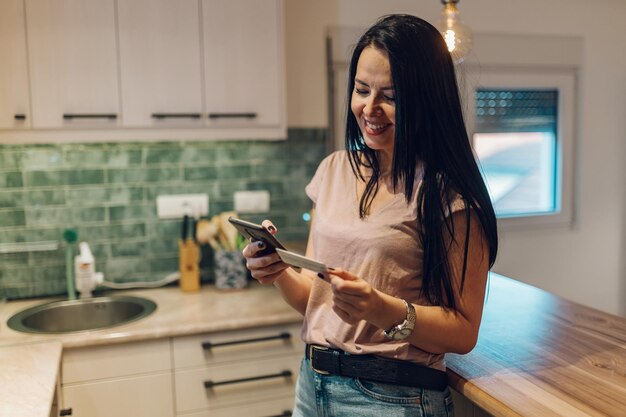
[85,271]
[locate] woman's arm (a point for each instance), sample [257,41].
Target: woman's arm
[436,329]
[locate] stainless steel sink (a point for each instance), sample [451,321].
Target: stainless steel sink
[81,315]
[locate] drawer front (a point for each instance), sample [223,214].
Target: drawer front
[236,383]
[145,396]
[84,364]
[276,407]
[237,346]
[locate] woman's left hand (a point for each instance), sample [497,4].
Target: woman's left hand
[353,298]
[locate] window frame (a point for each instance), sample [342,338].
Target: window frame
[564,81]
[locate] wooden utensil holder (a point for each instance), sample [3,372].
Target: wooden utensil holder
[188,265]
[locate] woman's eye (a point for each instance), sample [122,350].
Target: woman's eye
[390,98]
[360,91]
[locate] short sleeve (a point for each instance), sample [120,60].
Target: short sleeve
[457,203]
[313,188]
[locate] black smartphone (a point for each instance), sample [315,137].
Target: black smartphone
[256,232]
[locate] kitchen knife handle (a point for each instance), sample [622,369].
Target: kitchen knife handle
[280,336]
[233,115]
[162,116]
[283,374]
[71,116]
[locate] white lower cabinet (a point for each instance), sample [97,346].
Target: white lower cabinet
[147,395]
[248,373]
[132,379]
[235,373]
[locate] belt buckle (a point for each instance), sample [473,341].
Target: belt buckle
[321,348]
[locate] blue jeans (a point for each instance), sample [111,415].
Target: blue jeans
[337,396]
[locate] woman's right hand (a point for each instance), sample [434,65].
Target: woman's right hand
[266,268]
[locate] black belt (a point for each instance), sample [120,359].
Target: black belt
[332,361]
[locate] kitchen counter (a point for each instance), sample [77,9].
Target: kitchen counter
[28,378]
[29,363]
[542,355]
[177,314]
[537,354]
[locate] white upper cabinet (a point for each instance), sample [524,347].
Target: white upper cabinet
[160,61]
[117,70]
[73,63]
[243,62]
[14,94]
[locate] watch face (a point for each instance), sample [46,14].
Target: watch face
[402,334]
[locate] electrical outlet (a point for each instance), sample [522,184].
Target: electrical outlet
[176,206]
[252,201]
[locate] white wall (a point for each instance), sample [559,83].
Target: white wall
[583,263]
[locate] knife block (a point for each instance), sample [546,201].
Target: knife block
[188,265]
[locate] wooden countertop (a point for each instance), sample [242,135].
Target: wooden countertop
[539,355]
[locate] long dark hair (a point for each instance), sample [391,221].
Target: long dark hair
[430,131]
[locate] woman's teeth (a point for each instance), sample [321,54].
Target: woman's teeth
[375,127]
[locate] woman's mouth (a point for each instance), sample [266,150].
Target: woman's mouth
[375,128]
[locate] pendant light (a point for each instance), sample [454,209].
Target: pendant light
[457,35]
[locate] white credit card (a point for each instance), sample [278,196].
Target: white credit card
[295,259]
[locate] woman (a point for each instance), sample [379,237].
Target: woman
[405,219]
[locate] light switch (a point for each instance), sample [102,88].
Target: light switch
[176,206]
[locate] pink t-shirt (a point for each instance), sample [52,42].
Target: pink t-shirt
[383,249]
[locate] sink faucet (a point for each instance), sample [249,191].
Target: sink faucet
[70,236]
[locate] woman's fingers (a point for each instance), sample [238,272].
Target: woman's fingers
[269,226]
[253,248]
[266,268]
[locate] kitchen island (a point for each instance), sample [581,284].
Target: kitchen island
[537,354]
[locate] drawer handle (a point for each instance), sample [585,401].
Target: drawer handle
[280,336]
[232,115]
[161,116]
[284,374]
[71,116]
[65,412]
[20,117]
[286,413]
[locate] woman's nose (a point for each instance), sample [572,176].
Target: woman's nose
[371,106]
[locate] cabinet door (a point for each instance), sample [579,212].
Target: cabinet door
[73,62]
[14,102]
[160,62]
[144,396]
[243,62]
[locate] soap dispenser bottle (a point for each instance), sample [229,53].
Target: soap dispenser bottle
[85,271]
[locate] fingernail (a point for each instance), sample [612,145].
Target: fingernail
[260,244]
[320,275]
[271,228]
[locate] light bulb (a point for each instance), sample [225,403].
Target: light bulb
[457,35]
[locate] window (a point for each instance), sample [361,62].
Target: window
[515,140]
[521,128]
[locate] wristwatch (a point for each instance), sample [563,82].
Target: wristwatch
[404,329]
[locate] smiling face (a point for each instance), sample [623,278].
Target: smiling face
[373,101]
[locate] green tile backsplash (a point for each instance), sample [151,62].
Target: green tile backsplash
[107,192]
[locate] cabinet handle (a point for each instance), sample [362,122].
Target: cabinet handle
[176,115]
[20,117]
[232,115]
[211,384]
[65,412]
[280,336]
[71,116]
[286,413]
